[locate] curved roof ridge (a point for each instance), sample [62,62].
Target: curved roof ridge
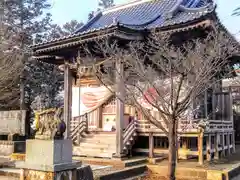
[195,9]
[124,5]
[170,13]
[174,9]
[143,24]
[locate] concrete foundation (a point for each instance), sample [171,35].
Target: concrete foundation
[48,160]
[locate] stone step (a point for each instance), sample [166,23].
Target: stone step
[92,152]
[91,135]
[96,145]
[136,162]
[90,149]
[126,173]
[101,138]
[103,132]
[97,141]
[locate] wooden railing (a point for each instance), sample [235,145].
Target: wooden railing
[78,126]
[129,135]
[185,126]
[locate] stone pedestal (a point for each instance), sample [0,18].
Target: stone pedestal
[48,160]
[9,147]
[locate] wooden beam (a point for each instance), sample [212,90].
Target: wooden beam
[87,81]
[205,104]
[100,119]
[67,98]
[233,142]
[214,105]
[151,145]
[209,155]
[228,144]
[200,148]
[231,108]
[216,142]
[79,113]
[223,145]
[223,107]
[184,143]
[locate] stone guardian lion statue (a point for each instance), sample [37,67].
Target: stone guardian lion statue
[49,124]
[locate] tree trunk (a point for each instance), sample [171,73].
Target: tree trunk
[172,151]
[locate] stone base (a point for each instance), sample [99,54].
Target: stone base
[9,147]
[17,156]
[120,157]
[29,174]
[49,168]
[48,152]
[48,160]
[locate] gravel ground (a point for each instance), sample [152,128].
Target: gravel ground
[8,178]
[155,177]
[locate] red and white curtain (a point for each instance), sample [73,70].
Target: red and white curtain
[90,99]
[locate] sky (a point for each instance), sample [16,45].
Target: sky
[66,10]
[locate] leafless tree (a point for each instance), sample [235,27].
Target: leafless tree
[167,76]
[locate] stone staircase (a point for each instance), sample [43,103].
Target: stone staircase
[99,144]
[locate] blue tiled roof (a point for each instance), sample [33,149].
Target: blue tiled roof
[148,14]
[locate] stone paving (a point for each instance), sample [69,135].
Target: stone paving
[8,178]
[97,169]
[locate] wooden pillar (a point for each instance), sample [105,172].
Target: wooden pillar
[119,108]
[79,110]
[214,105]
[79,98]
[184,143]
[205,103]
[100,122]
[151,145]
[67,98]
[228,144]
[233,143]
[223,146]
[200,148]
[231,108]
[223,108]
[216,142]
[209,154]
[231,119]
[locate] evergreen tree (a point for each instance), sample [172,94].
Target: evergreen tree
[106,3]
[30,18]
[236,12]
[91,15]
[68,28]
[11,64]
[103,4]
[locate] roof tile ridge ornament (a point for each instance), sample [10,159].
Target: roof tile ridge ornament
[124,6]
[173,10]
[115,21]
[208,8]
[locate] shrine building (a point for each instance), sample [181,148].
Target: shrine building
[91,107]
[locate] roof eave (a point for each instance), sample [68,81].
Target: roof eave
[80,37]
